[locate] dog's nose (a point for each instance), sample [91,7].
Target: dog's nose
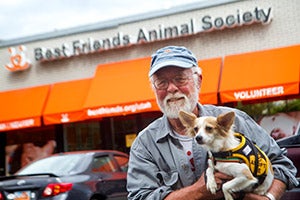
[199,139]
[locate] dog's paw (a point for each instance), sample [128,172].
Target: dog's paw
[228,197]
[212,186]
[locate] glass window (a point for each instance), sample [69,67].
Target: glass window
[27,145]
[58,165]
[82,136]
[123,162]
[103,164]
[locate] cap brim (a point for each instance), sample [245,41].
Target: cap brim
[175,63]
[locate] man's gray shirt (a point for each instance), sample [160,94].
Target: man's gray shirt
[158,164]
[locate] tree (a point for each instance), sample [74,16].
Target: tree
[269,108]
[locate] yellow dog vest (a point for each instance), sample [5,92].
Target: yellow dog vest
[249,153]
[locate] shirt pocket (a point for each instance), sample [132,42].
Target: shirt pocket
[170,179]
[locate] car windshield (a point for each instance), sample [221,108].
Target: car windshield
[59,165]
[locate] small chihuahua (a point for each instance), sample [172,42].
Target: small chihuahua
[230,153]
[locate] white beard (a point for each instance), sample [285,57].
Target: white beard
[171,109]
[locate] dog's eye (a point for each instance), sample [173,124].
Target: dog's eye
[196,129]
[208,128]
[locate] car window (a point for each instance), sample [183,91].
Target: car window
[122,161]
[58,165]
[103,164]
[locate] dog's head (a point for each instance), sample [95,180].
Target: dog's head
[208,131]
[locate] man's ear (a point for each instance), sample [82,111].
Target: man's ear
[199,83]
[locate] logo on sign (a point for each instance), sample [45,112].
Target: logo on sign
[18,59]
[65,118]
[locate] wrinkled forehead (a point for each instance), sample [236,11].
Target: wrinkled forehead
[171,71]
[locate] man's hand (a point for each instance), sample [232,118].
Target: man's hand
[277,190]
[198,190]
[220,179]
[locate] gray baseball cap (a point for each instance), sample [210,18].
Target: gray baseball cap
[178,56]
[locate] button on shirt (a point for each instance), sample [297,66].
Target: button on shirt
[187,144]
[158,163]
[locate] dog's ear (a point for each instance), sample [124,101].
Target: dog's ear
[187,119]
[226,120]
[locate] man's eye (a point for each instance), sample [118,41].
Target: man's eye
[162,82]
[180,79]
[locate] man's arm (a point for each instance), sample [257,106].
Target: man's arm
[198,190]
[277,189]
[283,167]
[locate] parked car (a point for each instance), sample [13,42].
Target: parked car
[81,175]
[291,146]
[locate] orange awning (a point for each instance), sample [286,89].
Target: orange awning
[210,80]
[65,102]
[260,75]
[123,88]
[22,108]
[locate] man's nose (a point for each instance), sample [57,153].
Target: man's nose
[172,87]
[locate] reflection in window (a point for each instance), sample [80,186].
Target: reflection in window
[60,165]
[123,162]
[103,164]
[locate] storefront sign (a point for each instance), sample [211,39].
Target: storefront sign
[281,125]
[259,93]
[18,59]
[129,139]
[161,32]
[17,124]
[238,19]
[119,109]
[65,118]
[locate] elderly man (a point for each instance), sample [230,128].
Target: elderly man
[165,163]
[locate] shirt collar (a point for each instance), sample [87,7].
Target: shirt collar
[165,130]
